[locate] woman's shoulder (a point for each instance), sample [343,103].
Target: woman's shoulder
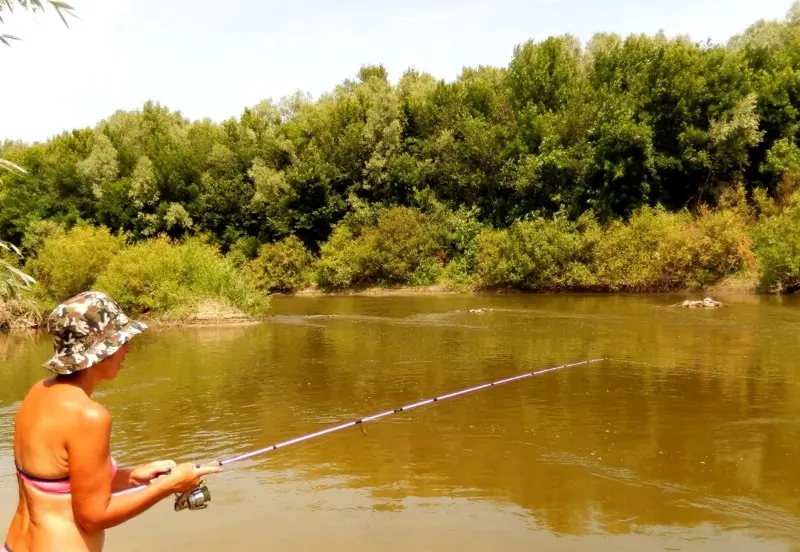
[67,402]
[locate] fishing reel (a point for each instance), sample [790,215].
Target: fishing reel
[196,499]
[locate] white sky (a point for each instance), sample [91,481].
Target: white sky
[211,59]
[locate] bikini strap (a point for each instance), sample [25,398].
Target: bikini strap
[38,479]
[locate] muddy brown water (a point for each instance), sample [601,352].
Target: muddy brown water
[686,438]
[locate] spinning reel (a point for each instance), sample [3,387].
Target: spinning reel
[196,499]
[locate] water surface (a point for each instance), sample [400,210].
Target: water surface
[686,438]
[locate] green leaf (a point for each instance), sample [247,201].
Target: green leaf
[62,7]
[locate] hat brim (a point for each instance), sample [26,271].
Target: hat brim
[64,364]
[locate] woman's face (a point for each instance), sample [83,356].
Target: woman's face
[114,364]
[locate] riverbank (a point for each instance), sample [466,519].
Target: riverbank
[744,247]
[27,315]
[738,285]
[379,291]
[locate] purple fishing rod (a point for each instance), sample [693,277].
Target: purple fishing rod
[198,498]
[397,410]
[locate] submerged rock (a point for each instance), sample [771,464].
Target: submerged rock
[707,303]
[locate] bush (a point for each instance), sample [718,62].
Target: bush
[661,251]
[68,263]
[243,251]
[338,263]
[701,252]
[36,234]
[281,266]
[777,248]
[538,254]
[628,256]
[404,246]
[653,251]
[464,228]
[171,278]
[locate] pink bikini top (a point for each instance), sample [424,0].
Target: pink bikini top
[55,486]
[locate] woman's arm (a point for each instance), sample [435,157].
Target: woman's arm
[140,475]
[122,480]
[94,507]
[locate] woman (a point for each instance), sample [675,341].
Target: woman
[65,472]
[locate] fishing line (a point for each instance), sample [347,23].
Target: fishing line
[406,408]
[199,497]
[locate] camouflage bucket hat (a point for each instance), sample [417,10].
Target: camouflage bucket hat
[86,329]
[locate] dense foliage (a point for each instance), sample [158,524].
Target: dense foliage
[576,166]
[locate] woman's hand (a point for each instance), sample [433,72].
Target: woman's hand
[144,474]
[186,477]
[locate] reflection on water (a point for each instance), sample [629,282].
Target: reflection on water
[686,437]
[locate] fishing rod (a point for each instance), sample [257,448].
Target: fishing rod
[198,498]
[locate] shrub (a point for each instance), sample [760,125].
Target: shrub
[36,234]
[281,266]
[627,255]
[338,263]
[170,278]
[404,246]
[777,248]
[700,252]
[537,254]
[401,242]
[660,251]
[243,251]
[70,262]
[463,229]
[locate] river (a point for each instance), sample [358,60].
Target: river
[687,437]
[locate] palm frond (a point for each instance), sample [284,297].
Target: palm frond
[9,166]
[10,247]
[61,8]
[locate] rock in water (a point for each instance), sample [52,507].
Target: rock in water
[707,303]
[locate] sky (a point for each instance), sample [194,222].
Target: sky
[207,58]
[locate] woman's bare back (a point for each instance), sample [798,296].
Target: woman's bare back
[48,415]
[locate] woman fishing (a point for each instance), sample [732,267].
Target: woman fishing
[69,485]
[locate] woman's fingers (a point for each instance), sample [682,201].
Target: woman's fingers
[207,470]
[161,467]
